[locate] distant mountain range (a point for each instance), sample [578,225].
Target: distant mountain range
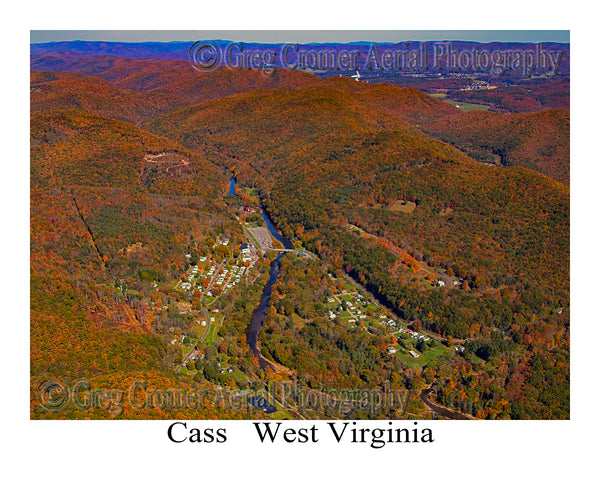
[367,58]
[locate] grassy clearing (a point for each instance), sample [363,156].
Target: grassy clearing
[186,348]
[198,330]
[463,106]
[280,415]
[467,107]
[212,335]
[251,193]
[298,321]
[426,357]
[403,206]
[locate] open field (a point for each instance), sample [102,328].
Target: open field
[403,206]
[212,333]
[465,107]
[425,357]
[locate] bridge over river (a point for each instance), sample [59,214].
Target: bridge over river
[299,252]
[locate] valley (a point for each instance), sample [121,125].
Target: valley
[228,230]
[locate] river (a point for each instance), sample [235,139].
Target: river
[273,231]
[258,317]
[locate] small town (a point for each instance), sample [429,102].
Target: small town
[208,279]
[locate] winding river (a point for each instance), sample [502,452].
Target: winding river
[258,317]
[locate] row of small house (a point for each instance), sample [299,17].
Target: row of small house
[188,285]
[236,273]
[415,335]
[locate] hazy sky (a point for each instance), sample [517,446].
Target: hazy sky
[301,36]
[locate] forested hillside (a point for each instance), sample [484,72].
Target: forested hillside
[539,141]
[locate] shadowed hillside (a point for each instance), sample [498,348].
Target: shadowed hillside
[538,140]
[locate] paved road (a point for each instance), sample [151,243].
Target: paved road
[199,342]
